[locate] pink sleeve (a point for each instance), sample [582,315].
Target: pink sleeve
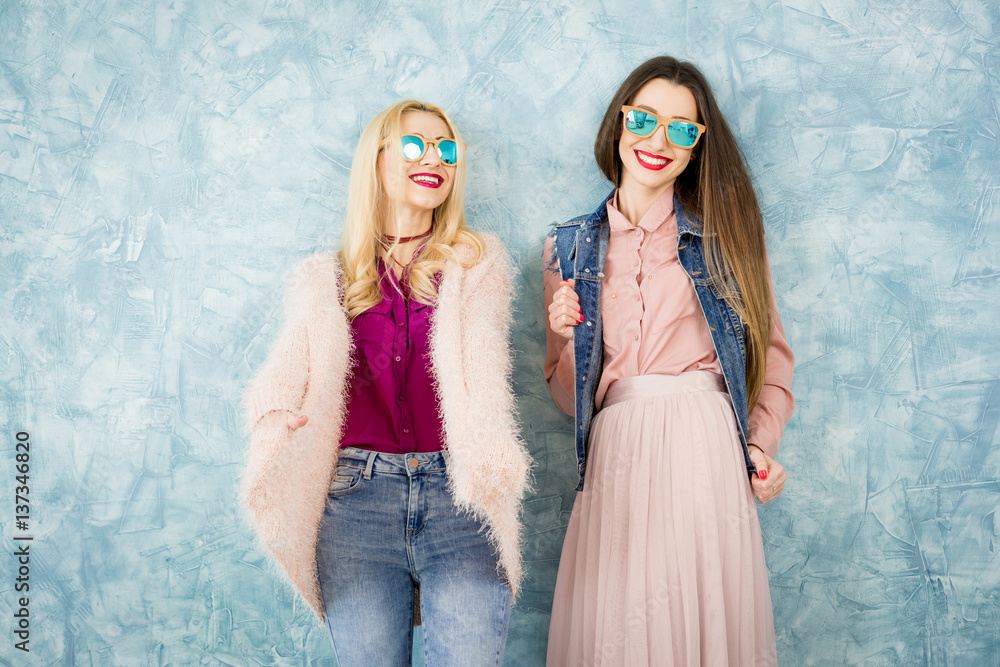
[775,405]
[560,368]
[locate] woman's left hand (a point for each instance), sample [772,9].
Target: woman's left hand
[770,477]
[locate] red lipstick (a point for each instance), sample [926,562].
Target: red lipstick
[646,159]
[427,180]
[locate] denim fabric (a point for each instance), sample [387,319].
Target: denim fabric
[581,246]
[390,522]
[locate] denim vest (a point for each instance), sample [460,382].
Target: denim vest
[581,246]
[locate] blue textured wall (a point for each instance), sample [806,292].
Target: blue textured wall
[163,164]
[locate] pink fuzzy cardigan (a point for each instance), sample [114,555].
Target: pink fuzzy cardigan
[288,472]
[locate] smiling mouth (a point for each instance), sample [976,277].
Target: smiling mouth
[651,161]
[427,180]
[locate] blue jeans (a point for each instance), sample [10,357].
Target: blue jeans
[391,522]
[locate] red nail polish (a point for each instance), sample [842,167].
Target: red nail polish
[762,473]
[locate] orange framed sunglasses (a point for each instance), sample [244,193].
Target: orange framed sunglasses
[680,132]
[414,146]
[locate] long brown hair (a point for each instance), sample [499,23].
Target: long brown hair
[720,193]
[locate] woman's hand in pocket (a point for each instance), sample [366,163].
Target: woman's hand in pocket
[284,419]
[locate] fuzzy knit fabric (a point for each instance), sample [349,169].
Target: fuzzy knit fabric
[288,472]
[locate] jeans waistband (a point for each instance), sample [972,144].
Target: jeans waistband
[397,464]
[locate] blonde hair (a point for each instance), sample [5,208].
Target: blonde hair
[369,209]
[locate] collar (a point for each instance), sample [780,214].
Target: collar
[651,220]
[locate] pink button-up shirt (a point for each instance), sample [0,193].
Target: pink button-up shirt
[653,323]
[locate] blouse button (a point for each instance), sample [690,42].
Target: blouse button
[635,263]
[636,336]
[399,358]
[406,430]
[636,297]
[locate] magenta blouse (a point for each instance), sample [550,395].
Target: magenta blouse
[391,403]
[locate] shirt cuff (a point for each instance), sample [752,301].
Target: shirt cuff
[767,441]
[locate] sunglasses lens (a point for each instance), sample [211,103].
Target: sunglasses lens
[413,148]
[639,122]
[682,134]
[448,151]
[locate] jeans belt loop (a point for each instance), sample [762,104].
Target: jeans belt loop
[371,462]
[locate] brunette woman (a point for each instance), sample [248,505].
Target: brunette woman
[664,341]
[384,452]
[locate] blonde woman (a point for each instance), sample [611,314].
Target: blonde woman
[385,454]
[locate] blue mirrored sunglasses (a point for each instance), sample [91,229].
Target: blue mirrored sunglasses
[681,132]
[414,146]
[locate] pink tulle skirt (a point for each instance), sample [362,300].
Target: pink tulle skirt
[663,562]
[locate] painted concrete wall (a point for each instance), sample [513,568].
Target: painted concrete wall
[164,164]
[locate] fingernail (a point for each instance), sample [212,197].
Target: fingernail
[581,318]
[762,473]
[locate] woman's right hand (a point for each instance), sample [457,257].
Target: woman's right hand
[295,423]
[564,311]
